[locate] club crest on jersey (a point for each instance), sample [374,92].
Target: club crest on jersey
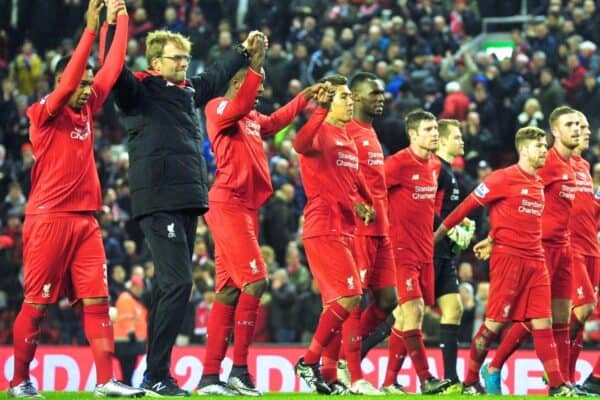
[350,282]
[482,190]
[253,267]
[46,290]
[524,191]
[415,177]
[365,142]
[565,177]
[81,133]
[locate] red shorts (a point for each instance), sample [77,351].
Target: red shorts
[586,271]
[238,259]
[519,289]
[414,280]
[375,261]
[63,255]
[559,261]
[332,264]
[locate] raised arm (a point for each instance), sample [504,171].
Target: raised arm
[127,88]
[71,76]
[223,114]
[304,142]
[211,82]
[271,124]
[115,60]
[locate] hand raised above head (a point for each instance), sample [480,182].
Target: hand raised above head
[92,14]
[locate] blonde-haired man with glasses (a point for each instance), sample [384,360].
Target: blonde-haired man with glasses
[168,176]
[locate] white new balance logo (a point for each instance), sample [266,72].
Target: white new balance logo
[157,387]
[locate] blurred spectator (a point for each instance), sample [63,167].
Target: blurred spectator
[298,274]
[26,69]
[130,328]
[14,202]
[278,225]
[531,115]
[456,103]
[223,46]
[321,61]
[307,311]
[283,297]
[574,81]
[140,25]
[588,100]
[116,282]
[550,93]
[172,21]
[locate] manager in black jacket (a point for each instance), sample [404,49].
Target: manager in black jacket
[168,178]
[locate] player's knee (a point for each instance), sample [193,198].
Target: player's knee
[584,311]
[257,288]
[387,300]
[452,312]
[350,302]
[228,296]
[413,311]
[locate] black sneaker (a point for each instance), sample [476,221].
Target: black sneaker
[312,376]
[166,387]
[591,385]
[338,388]
[580,391]
[433,385]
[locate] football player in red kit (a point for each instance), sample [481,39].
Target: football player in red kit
[411,176]
[330,173]
[62,244]
[519,279]
[558,178]
[242,185]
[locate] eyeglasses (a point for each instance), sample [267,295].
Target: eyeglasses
[178,58]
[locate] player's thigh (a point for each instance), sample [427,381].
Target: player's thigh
[383,272]
[559,261]
[238,255]
[506,281]
[88,272]
[332,264]
[446,277]
[583,292]
[47,252]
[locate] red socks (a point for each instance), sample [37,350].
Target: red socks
[509,343]
[563,346]
[352,341]
[479,349]
[99,333]
[25,336]
[220,325]
[370,319]
[413,340]
[545,348]
[329,358]
[246,311]
[396,355]
[330,323]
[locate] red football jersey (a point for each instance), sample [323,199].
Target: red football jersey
[516,201]
[236,130]
[370,157]
[559,189]
[329,169]
[585,211]
[412,186]
[64,176]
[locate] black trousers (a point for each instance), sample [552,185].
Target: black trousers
[170,237]
[127,354]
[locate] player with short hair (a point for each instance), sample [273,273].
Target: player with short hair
[559,192]
[330,173]
[447,198]
[62,244]
[411,176]
[242,185]
[519,279]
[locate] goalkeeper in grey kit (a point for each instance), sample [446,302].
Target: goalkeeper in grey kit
[458,239]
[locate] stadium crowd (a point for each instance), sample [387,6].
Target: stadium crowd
[409,45]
